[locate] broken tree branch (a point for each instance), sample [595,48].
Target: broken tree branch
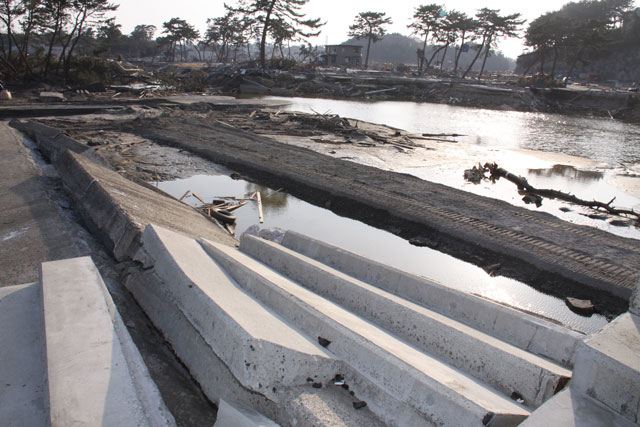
[535,195]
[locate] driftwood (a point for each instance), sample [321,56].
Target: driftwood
[259,200]
[433,135]
[535,195]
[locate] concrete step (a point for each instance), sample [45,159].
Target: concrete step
[262,351]
[23,366]
[515,327]
[505,367]
[95,373]
[572,409]
[607,366]
[235,415]
[398,381]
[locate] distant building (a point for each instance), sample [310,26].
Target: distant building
[341,55]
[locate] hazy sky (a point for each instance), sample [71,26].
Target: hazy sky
[338,14]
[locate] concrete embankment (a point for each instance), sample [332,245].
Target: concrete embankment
[556,256]
[303,333]
[67,357]
[115,208]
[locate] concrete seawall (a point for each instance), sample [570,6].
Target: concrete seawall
[306,333]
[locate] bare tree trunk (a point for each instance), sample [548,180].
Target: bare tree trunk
[535,61]
[555,61]
[444,56]
[455,66]
[424,47]
[366,61]
[56,30]
[265,31]
[475,58]
[542,58]
[486,55]
[435,52]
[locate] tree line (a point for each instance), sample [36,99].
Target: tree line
[579,33]
[41,37]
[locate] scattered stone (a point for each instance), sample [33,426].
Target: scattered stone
[564,209]
[235,176]
[492,269]
[316,385]
[323,341]
[309,379]
[51,97]
[272,234]
[597,216]
[620,223]
[359,404]
[5,95]
[580,306]
[517,397]
[252,230]
[531,199]
[423,242]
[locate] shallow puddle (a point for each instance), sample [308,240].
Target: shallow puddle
[289,213]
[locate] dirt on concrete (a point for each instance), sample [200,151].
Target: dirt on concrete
[549,254]
[40,222]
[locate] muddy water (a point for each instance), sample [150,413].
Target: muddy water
[287,212]
[589,157]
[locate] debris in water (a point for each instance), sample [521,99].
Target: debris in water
[535,195]
[580,306]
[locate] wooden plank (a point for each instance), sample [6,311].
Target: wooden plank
[185,195]
[259,199]
[198,197]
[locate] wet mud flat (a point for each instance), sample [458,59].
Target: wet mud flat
[549,254]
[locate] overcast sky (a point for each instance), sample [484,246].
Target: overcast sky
[338,14]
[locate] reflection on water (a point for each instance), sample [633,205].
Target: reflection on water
[606,140]
[567,171]
[500,136]
[289,213]
[274,200]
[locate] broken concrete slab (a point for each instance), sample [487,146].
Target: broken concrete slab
[580,306]
[389,374]
[235,415]
[607,367]
[262,351]
[525,331]
[95,373]
[51,97]
[571,409]
[501,365]
[119,209]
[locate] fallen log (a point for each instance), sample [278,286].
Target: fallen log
[435,135]
[535,195]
